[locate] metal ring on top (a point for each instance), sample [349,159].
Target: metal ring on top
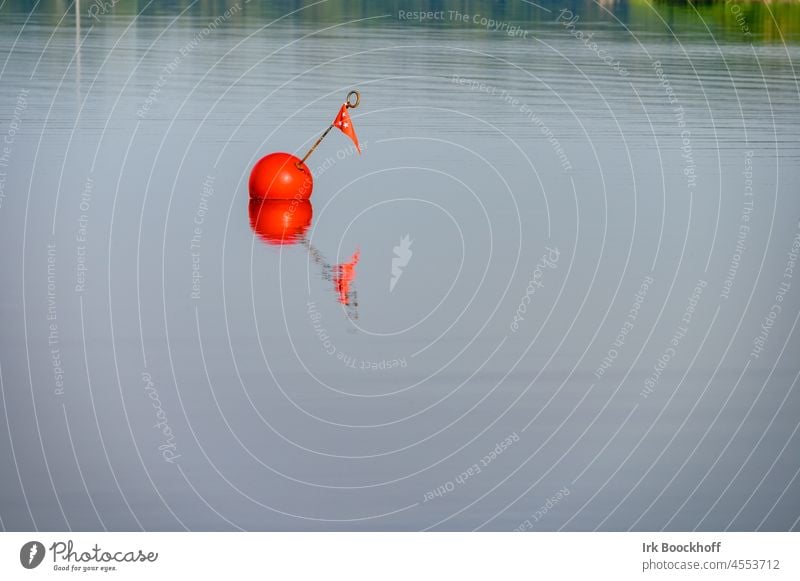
[358,99]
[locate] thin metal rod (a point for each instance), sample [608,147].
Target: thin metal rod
[313,147]
[349,105]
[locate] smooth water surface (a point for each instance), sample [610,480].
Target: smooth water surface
[557,290]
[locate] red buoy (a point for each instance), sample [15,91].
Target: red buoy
[280,176]
[280,221]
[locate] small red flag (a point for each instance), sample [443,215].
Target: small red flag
[344,123]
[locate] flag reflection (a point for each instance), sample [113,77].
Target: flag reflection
[286,222]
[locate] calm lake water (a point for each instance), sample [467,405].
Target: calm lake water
[558,289]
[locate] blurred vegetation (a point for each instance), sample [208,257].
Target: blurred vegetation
[766,20]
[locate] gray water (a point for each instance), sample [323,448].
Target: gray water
[593,327]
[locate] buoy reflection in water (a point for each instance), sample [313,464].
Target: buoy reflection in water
[280,221]
[286,222]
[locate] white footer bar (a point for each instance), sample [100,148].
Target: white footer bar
[401,556]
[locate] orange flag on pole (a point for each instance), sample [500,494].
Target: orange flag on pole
[344,123]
